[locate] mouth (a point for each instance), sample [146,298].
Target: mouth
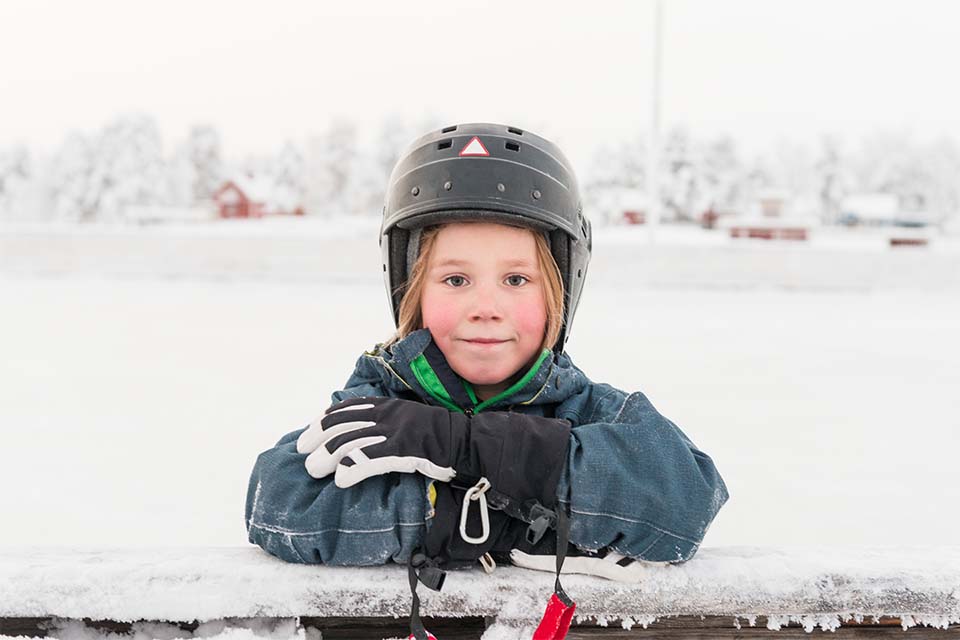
[486,341]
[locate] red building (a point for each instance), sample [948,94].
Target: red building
[249,197]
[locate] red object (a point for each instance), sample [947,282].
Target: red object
[430,636]
[908,242]
[635,217]
[556,619]
[234,203]
[708,220]
[769,233]
[243,199]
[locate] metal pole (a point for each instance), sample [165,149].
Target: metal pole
[653,147]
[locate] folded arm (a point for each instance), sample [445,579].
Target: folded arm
[634,482]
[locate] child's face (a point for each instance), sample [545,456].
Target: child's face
[483,301]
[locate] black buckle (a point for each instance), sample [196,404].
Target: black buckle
[542,520]
[427,571]
[432,578]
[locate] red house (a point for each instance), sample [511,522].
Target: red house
[255,197]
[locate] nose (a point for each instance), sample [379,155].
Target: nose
[485,304]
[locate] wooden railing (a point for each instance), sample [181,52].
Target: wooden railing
[724,592]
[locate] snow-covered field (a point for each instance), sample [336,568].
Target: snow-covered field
[144,369]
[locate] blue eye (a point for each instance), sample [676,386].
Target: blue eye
[513,280]
[455,281]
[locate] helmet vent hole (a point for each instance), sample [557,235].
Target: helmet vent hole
[515,130]
[448,129]
[513,146]
[444,144]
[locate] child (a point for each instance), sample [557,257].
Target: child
[485,250]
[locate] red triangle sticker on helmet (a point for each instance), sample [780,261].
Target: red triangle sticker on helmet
[474,148]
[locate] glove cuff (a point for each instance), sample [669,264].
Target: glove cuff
[522,456]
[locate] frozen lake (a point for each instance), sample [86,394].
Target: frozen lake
[139,385]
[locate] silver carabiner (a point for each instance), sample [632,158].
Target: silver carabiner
[476,492]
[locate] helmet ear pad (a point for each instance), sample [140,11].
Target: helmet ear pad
[394,249]
[571,258]
[560,249]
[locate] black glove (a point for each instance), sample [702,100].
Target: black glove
[521,456]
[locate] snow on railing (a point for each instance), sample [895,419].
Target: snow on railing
[204,589]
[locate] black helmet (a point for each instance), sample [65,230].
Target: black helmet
[485,172]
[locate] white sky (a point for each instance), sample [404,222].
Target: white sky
[578,73]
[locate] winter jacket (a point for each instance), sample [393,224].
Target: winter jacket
[633,482]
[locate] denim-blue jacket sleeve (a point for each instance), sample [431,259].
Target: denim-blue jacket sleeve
[634,482]
[303,519]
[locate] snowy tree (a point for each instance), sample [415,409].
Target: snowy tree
[180,179]
[288,168]
[831,178]
[287,172]
[71,181]
[941,186]
[617,166]
[694,175]
[759,177]
[195,171]
[15,176]
[614,169]
[331,158]
[129,167]
[203,152]
[99,177]
[885,164]
[681,188]
[391,140]
[380,153]
[924,176]
[722,174]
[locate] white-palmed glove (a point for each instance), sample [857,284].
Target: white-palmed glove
[611,565]
[363,437]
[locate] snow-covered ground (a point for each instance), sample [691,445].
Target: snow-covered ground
[144,369]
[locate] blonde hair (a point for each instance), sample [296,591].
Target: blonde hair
[411,319]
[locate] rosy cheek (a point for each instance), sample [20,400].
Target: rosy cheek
[530,319]
[439,318]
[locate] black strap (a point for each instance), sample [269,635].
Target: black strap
[563,539]
[416,624]
[421,569]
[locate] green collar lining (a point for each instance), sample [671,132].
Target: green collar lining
[428,379]
[519,384]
